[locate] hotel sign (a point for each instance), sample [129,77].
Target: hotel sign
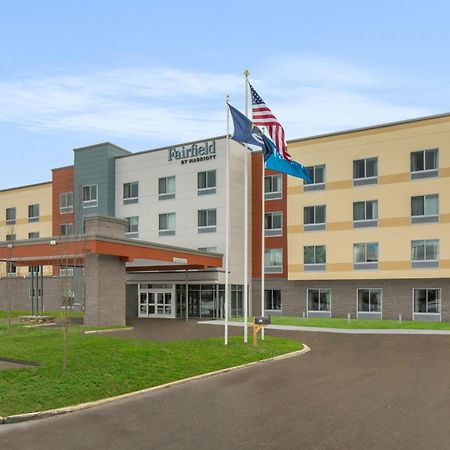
[197,152]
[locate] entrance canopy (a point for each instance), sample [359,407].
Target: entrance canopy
[139,255]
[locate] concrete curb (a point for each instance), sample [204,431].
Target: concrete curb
[108,330]
[68,409]
[385,331]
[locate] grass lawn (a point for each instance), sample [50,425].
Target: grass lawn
[354,323]
[105,366]
[60,313]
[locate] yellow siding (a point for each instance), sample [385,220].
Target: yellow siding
[21,198]
[393,146]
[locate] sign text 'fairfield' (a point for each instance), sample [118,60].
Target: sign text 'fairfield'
[195,153]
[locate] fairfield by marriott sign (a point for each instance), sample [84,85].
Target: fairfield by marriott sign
[197,152]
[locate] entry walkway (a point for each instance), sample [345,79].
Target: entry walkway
[403,331]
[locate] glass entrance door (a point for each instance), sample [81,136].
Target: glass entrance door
[156,303]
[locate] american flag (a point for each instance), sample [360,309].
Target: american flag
[263,117]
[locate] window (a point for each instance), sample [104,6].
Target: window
[167,224]
[131,192]
[206,182]
[365,256]
[365,214]
[273,188]
[207,220]
[317,174]
[425,208]
[319,302]
[424,164]
[425,253]
[314,257]
[66,229]
[369,302]
[66,271]
[11,269]
[208,249]
[33,213]
[90,196]
[166,188]
[10,237]
[132,229]
[314,217]
[273,260]
[65,202]
[10,216]
[33,235]
[365,171]
[427,302]
[272,299]
[273,224]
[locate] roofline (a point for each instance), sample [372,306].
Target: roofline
[372,127]
[25,186]
[172,146]
[86,147]
[62,167]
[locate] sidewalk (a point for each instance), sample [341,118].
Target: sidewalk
[334,330]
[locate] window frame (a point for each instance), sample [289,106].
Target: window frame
[320,312]
[167,195]
[424,173]
[315,266]
[271,291]
[129,197]
[91,202]
[274,268]
[273,195]
[365,223]
[268,232]
[129,232]
[35,233]
[424,218]
[208,189]
[431,316]
[315,226]
[31,209]
[67,208]
[209,227]
[360,181]
[11,221]
[366,265]
[167,231]
[307,186]
[66,226]
[369,314]
[425,262]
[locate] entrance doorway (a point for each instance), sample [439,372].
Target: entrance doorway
[156,303]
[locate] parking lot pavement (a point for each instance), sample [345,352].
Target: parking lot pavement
[348,392]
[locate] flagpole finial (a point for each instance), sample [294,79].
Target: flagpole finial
[228,98]
[246,73]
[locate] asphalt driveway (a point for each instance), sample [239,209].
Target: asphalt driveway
[349,392]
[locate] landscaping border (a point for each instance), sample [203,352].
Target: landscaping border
[68,409]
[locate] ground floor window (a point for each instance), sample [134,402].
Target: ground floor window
[272,299]
[369,300]
[427,301]
[319,300]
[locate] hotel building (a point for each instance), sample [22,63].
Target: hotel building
[369,237]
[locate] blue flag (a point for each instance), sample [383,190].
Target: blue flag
[275,161]
[244,131]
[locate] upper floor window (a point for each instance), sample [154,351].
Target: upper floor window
[207,220]
[66,229]
[10,216]
[65,202]
[206,182]
[317,174]
[272,299]
[90,196]
[425,253]
[130,192]
[424,164]
[33,213]
[365,171]
[425,208]
[10,237]
[273,260]
[365,256]
[33,235]
[167,224]
[273,187]
[208,249]
[273,224]
[11,269]
[166,188]
[314,257]
[314,217]
[365,214]
[132,229]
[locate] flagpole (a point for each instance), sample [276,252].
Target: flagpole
[262,240]
[227,222]
[246,74]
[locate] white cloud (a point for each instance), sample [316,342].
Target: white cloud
[309,95]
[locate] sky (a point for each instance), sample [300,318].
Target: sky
[146,74]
